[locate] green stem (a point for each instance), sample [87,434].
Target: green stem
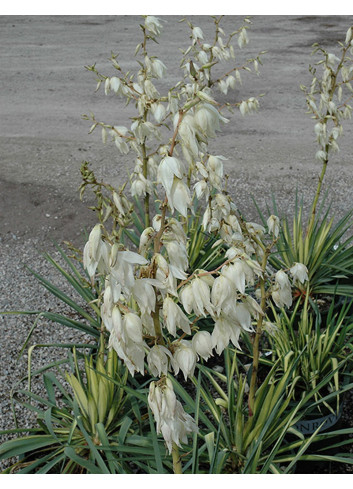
[145,174]
[177,468]
[327,147]
[256,344]
[317,195]
[146,202]
[157,326]
[157,245]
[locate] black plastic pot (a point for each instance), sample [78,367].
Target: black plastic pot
[309,426]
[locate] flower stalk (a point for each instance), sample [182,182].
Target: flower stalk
[256,344]
[177,467]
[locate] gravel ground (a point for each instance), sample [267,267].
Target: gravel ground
[19,291]
[44,91]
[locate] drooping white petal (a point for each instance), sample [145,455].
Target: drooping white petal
[184,358]
[179,197]
[202,344]
[168,168]
[157,359]
[299,272]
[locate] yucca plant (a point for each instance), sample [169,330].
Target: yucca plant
[321,347]
[68,435]
[99,399]
[325,249]
[96,425]
[267,440]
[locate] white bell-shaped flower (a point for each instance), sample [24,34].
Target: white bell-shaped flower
[155,67]
[133,354]
[158,110]
[153,25]
[197,33]
[184,358]
[273,225]
[158,360]
[122,266]
[215,169]
[132,327]
[253,306]
[202,297]
[178,427]
[196,297]
[112,319]
[202,344]
[150,90]
[187,133]
[299,272]
[178,257]
[221,334]
[281,291]
[139,187]
[174,231]
[202,190]
[169,168]
[126,339]
[207,119]
[179,197]
[96,253]
[144,295]
[236,273]
[174,317]
[222,290]
[146,239]
[171,419]
[224,331]
[165,276]
[243,317]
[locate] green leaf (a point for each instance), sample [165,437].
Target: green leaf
[86,464]
[159,463]
[23,445]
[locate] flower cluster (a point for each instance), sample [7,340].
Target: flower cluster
[326,97]
[151,301]
[171,419]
